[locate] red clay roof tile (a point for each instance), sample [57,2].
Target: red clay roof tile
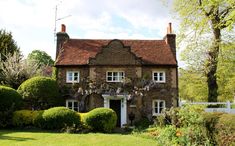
[152,52]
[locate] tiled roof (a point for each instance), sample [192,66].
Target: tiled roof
[152,52]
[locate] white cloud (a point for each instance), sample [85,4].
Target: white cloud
[32,22]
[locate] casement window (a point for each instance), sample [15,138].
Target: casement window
[158,106]
[72,77]
[72,104]
[115,76]
[159,76]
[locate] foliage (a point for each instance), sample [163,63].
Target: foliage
[101,119]
[205,26]
[194,89]
[40,57]
[24,118]
[54,73]
[8,98]
[14,70]
[143,123]
[6,117]
[191,115]
[7,45]
[40,92]
[58,118]
[225,130]
[211,119]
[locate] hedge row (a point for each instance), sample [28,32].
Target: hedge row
[100,119]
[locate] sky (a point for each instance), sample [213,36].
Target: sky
[32,22]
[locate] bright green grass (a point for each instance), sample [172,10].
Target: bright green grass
[38,138]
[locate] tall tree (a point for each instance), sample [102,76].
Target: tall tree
[208,20]
[15,70]
[7,44]
[41,58]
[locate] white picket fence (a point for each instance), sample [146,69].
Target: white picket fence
[227,108]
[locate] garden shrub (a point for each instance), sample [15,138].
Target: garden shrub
[58,118]
[211,119]
[9,97]
[191,115]
[10,100]
[143,123]
[101,119]
[40,93]
[225,130]
[24,118]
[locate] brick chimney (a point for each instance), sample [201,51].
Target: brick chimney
[62,37]
[170,39]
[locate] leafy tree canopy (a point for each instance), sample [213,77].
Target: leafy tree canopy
[206,27]
[41,58]
[7,44]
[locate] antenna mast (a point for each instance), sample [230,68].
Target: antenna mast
[57,19]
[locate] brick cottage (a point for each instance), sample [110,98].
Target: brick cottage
[113,62]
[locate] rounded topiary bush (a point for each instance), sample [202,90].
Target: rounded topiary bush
[101,119]
[9,98]
[40,93]
[58,118]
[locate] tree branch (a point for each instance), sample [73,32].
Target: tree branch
[206,13]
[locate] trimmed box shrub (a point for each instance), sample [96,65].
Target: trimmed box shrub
[40,93]
[9,97]
[58,118]
[101,119]
[24,118]
[10,100]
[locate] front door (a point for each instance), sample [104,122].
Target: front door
[116,106]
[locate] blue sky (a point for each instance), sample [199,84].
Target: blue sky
[32,22]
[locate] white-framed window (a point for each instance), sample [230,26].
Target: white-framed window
[159,76]
[72,104]
[115,76]
[72,77]
[158,106]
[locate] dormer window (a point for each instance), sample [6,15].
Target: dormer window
[115,76]
[72,77]
[159,76]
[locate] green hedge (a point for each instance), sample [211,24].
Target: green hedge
[101,119]
[24,118]
[57,118]
[9,98]
[225,130]
[40,93]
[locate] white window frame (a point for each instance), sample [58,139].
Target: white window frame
[158,79]
[72,81]
[118,76]
[158,107]
[73,104]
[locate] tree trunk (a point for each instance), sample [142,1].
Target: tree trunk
[212,63]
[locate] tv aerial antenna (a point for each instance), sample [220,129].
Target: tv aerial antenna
[58,19]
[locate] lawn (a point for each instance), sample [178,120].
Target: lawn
[40,138]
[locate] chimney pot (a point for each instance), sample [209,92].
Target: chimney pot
[169,29]
[63,28]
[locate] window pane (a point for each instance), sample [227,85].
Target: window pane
[160,78]
[155,78]
[161,104]
[115,78]
[109,78]
[156,110]
[115,74]
[109,73]
[70,104]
